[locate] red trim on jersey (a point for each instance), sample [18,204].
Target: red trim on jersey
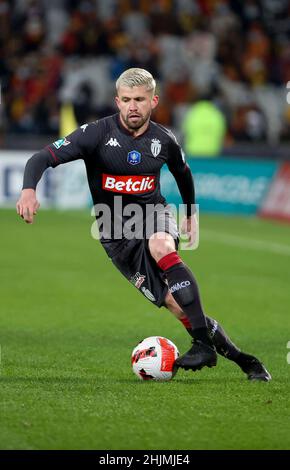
[52,153]
[186,323]
[169,260]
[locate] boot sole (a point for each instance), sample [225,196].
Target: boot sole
[259,379]
[193,368]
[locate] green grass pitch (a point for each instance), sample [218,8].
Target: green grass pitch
[69,321]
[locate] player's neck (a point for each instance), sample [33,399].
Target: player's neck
[135,132]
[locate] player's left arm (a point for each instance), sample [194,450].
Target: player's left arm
[184,179]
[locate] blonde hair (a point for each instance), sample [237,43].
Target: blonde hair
[136,77]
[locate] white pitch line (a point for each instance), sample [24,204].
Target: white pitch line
[252,244]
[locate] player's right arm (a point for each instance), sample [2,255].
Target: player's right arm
[79,144]
[27,205]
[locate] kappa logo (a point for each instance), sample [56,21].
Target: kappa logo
[84,126]
[179,285]
[155,147]
[113,142]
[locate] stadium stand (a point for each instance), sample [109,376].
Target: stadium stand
[72,51]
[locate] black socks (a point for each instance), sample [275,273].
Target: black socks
[184,289]
[224,346]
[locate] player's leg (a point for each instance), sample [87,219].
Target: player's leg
[135,263]
[184,289]
[249,364]
[224,346]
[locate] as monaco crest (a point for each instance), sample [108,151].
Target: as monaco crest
[155,147]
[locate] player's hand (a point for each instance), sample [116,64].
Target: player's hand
[27,205]
[189,227]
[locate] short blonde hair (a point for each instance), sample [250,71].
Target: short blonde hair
[136,77]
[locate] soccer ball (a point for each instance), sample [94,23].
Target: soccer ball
[153,359]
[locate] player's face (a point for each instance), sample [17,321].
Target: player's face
[135,106]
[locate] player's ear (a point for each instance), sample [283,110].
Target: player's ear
[155,101]
[117,101]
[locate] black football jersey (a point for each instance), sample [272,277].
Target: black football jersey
[118,165]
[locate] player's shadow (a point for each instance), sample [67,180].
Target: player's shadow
[183,381]
[97,381]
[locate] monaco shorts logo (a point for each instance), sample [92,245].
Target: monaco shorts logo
[148,294]
[179,285]
[138,280]
[136,184]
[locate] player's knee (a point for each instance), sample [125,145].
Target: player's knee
[160,248]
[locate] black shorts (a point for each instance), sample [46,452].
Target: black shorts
[137,265]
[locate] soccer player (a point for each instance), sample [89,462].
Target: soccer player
[123,155]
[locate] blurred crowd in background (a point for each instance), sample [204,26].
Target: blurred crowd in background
[232,58]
